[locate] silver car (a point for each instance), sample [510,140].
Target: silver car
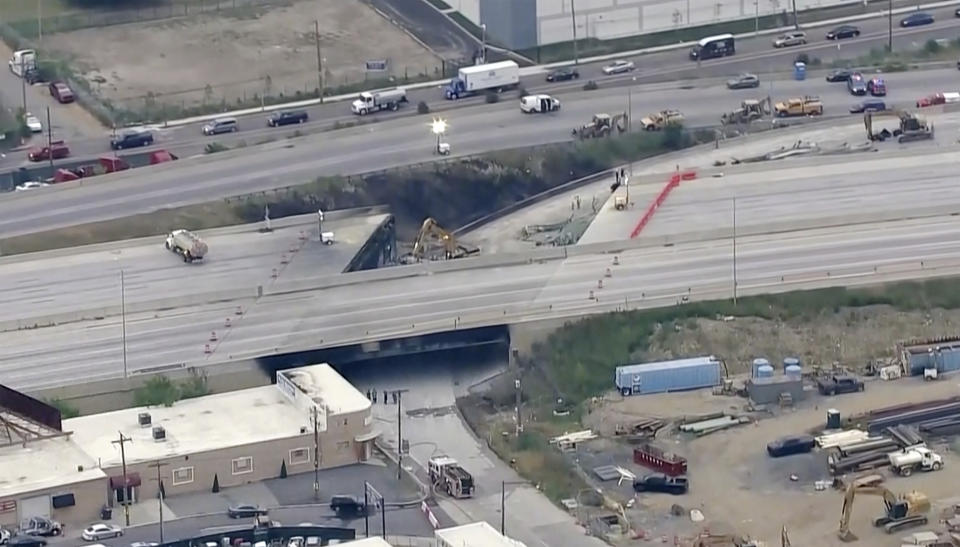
[744,81]
[791,39]
[618,67]
[101,530]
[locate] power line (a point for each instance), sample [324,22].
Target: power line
[126,488]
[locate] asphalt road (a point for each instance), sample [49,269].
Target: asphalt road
[393,143]
[400,522]
[753,54]
[647,277]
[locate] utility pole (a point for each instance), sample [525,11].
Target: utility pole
[573,19]
[123,462]
[49,141]
[316,33]
[316,454]
[39,20]
[400,433]
[158,465]
[519,398]
[23,83]
[123,320]
[734,250]
[756,18]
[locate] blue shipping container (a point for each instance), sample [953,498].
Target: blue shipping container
[944,357]
[666,376]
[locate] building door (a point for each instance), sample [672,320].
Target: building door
[38,506]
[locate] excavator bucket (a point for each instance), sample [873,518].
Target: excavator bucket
[847,536]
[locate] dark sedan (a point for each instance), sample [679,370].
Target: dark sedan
[869,105]
[843,31]
[287,117]
[562,74]
[658,482]
[916,20]
[839,75]
[245,511]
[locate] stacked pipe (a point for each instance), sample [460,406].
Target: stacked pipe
[917,414]
[905,435]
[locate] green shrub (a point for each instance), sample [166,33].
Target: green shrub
[492,97]
[590,85]
[423,108]
[158,390]
[214,147]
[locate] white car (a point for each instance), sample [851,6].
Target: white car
[101,530]
[33,123]
[619,67]
[32,185]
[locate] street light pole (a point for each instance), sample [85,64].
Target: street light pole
[890,26]
[483,43]
[734,250]
[50,141]
[756,18]
[123,321]
[573,19]
[316,33]
[23,83]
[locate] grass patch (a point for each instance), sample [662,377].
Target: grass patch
[18,10]
[900,60]
[66,409]
[454,193]
[439,4]
[468,25]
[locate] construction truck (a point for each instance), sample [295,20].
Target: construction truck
[799,106]
[447,476]
[659,120]
[915,457]
[620,203]
[750,110]
[431,233]
[901,511]
[602,125]
[186,244]
[911,128]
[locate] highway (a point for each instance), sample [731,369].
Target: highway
[444,300]
[393,143]
[753,54]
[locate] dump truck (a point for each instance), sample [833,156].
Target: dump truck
[375,101]
[749,110]
[799,106]
[186,244]
[916,457]
[602,125]
[659,120]
[447,476]
[471,80]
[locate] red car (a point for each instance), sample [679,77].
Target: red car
[877,87]
[58,149]
[61,92]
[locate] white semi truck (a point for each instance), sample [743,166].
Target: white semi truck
[475,79]
[915,457]
[186,244]
[22,62]
[375,101]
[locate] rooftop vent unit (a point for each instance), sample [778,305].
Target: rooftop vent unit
[159,433]
[144,419]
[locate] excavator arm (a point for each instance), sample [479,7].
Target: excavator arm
[858,487]
[431,230]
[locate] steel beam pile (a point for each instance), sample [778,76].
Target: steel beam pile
[933,413]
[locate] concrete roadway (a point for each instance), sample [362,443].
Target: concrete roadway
[646,277]
[392,143]
[753,54]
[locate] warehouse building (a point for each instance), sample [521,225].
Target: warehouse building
[477,534]
[519,24]
[226,439]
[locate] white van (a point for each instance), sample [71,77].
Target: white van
[538,104]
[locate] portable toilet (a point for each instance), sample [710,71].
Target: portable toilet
[799,71]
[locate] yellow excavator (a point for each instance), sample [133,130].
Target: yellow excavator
[912,127]
[432,232]
[901,511]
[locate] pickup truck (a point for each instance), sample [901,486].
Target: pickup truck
[799,106]
[58,149]
[831,385]
[660,482]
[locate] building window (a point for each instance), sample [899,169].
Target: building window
[182,475]
[367,420]
[344,421]
[243,465]
[343,446]
[299,455]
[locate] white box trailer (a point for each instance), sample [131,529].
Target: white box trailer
[478,78]
[375,101]
[24,60]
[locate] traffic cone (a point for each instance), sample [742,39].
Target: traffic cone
[213,336]
[227,323]
[206,349]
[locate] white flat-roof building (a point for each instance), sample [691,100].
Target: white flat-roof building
[369,542]
[228,438]
[477,534]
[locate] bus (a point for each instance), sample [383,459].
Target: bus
[713,46]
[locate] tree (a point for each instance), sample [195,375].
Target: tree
[283,469]
[216,484]
[158,390]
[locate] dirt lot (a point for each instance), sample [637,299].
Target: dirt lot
[739,489]
[229,56]
[850,336]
